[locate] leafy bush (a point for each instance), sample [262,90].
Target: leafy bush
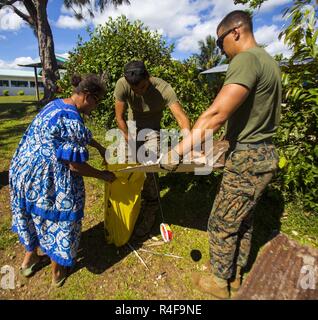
[191,88]
[119,41]
[5,92]
[297,134]
[21,93]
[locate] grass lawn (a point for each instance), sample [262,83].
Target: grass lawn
[106,272]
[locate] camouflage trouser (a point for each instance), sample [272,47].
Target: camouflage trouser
[149,194]
[230,224]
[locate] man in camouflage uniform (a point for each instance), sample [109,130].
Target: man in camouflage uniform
[249,103]
[147,97]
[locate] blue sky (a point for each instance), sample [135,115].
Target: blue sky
[183,22]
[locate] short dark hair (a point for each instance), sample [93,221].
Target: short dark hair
[135,72]
[90,83]
[236,17]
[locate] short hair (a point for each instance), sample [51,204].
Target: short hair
[235,18]
[90,83]
[135,72]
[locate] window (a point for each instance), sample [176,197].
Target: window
[40,84]
[4,83]
[16,83]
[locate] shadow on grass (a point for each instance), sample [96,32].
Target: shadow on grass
[267,224]
[187,203]
[190,199]
[14,131]
[4,178]
[16,109]
[95,254]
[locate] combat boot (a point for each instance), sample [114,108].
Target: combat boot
[208,267]
[236,283]
[209,283]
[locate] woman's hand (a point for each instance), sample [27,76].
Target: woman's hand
[99,147]
[85,170]
[109,176]
[102,152]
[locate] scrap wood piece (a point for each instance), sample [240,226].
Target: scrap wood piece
[214,158]
[285,270]
[155,244]
[138,256]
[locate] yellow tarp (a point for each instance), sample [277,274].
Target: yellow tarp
[122,201]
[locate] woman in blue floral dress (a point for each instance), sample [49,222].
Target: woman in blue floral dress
[46,184]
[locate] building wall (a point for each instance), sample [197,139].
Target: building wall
[16,84]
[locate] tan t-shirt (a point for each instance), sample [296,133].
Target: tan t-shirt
[258,117]
[147,109]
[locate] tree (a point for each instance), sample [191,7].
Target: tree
[35,15]
[119,41]
[254,4]
[209,55]
[297,136]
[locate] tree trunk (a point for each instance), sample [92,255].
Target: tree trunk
[50,72]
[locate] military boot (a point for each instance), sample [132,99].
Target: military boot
[236,283]
[209,283]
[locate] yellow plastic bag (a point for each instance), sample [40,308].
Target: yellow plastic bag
[122,201]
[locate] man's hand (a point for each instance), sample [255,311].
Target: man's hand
[170,161]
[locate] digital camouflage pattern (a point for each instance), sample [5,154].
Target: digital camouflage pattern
[149,194]
[149,205]
[230,225]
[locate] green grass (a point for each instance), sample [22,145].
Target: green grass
[15,115]
[186,201]
[7,238]
[301,225]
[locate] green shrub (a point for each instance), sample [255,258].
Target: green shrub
[119,41]
[191,89]
[5,92]
[297,133]
[21,93]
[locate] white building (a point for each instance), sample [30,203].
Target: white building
[15,80]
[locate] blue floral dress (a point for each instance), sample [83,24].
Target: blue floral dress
[47,198]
